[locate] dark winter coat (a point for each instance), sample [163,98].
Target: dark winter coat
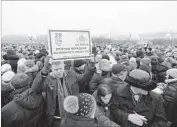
[172,112]
[23,111]
[48,85]
[169,92]
[114,82]
[150,106]
[96,80]
[84,79]
[79,121]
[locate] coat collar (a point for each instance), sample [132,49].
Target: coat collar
[142,106]
[116,78]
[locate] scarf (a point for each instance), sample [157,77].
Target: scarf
[62,92]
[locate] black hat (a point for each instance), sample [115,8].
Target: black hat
[78,63]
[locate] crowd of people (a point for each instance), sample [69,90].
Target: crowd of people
[119,86]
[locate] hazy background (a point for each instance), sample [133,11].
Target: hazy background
[102,18]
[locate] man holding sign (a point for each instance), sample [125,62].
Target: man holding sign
[56,83]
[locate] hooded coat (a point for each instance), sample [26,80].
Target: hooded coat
[103,116]
[23,111]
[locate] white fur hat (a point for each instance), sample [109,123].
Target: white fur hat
[5,67]
[21,61]
[7,76]
[172,72]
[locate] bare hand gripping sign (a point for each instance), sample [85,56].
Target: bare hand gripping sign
[69,44]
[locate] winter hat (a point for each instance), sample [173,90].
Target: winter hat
[124,59]
[132,65]
[140,54]
[20,80]
[103,90]
[132,59]
[145,68]
[117,68]
[169,54]
[167,64]
[78,63]
[172,72]
[7,76]
[105,65]
[21,68]
[36,52]
[10,52]
[39,55]
[140,79]
[21,61]
[29,63]
[145,61]
[105,57]
[81,105]
[5,68]
[154,60]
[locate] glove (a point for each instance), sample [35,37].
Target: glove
[47,64]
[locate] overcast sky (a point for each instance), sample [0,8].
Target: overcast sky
[109,18]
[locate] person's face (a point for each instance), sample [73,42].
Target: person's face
[98,57]
[58,70]
[175,54]
[82,67]
[139,91]
[122,75]
[106,99]
[107,50]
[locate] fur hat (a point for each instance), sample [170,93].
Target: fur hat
[117,68]
[172,72]
[20,80]
[132,59]
[167,64]
[105,57]
[7,76]
[105,65]
[5,67]
[21,61]
[145,68]
[145,61]
[140,54]
[154,60]
[78,63]
[10,52]
[81,105]
[29,63]
[140,79]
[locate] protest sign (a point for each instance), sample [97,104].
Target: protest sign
[69,44]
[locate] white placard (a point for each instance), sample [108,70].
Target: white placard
[69,44]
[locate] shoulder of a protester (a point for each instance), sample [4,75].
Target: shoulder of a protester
[121,89]
[155,96]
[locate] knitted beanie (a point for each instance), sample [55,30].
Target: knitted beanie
[81,105]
